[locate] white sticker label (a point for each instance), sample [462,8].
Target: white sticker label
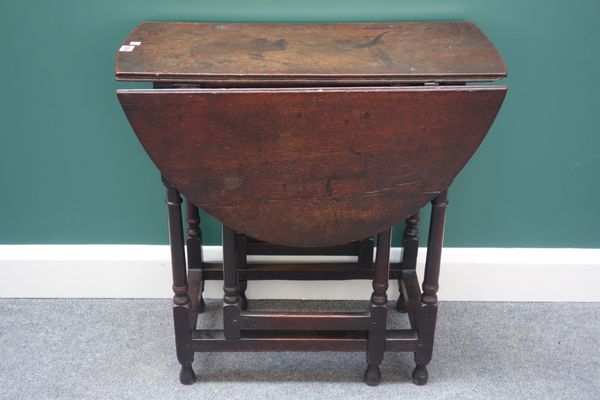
[135,43]
[126,48]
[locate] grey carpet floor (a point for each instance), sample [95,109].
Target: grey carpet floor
[124,349]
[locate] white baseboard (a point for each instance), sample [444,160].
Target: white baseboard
[143,271]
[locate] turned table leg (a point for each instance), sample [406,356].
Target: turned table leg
[378,308]
[410,248]
[194,247]
[181,300]
[241,252]
[231,299]
[427,311]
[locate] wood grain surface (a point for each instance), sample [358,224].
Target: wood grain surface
[229,54]
[311,167]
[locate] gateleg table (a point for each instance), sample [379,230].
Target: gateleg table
[308,139]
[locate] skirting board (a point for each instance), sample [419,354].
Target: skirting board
[143,271]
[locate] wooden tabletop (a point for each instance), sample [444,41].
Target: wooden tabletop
[337,53]
[309,167]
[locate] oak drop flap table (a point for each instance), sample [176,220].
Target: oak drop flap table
[309,139]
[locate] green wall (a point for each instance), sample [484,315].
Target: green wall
[71,170]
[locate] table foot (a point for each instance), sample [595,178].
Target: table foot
[372,375]
[420,375]
[187,375]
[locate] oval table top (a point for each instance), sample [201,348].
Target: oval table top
[313,166]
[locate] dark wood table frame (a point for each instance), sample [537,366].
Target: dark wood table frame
[238,123]
[297,331]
